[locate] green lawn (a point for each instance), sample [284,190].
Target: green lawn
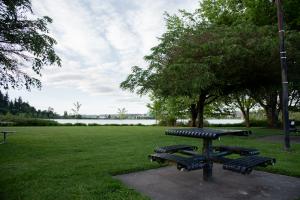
[78,162]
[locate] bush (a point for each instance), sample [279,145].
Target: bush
[258,123]
[94,124]
[79,124]
[20,121]
[227,125]
[7,123]
[139,124]
[66,124]
[295,115]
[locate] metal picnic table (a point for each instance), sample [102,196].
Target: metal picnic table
[5,132]
[187,158]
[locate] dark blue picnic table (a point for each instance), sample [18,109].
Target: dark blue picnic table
[187,158]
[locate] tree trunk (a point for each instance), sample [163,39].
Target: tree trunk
[270,107]
[271,110]
[272,117]
[194,114]
[246,116]
[200,106]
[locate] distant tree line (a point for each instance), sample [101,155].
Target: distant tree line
[24,109]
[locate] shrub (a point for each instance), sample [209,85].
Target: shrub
[79,124]
[258,123]
[20,121]
[112,124]
[66,124]
[94,124]
[227,125]
[139,124]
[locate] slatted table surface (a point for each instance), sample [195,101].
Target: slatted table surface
[206,133]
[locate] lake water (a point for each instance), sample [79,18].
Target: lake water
[138,121]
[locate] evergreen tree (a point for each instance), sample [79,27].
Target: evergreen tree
[21,108]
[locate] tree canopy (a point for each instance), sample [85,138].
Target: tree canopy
[218,50]
[257,12]
[24,43]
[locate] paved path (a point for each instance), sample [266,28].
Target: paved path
[168,183]
[280,138]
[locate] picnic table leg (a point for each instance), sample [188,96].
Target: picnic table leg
[4,138]
[207,152]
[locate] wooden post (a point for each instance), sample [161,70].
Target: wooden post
[285,97]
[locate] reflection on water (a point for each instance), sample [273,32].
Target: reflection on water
[139,121]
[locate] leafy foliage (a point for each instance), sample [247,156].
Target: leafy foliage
[169,110]
[257,12]
[24,42]
[265,66]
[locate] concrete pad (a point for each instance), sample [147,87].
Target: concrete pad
[168,183]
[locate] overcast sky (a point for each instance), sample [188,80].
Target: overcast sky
[98,41]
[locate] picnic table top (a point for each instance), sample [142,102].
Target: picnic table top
[7,131]
[206,133]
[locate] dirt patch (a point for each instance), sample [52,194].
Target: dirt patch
[280,138]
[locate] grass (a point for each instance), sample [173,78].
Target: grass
[79,162]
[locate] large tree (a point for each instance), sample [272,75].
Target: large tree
[179,66]
[24,44]
[261,13]
[198,61]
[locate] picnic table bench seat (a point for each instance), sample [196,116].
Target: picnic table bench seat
[175,148]
[237,150]
[183,163]
[245,165]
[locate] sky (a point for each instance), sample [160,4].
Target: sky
[98,41]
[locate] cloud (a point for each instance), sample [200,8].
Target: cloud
[132,99]
[99,41]
[97,89]
[67,77]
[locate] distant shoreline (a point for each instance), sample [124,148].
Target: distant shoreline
[140,121]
